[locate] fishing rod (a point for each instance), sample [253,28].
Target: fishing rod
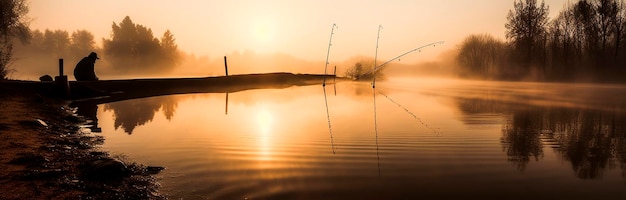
[332,32]
[376,54]
[401,55]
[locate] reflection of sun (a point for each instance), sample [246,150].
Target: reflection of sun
[264,121]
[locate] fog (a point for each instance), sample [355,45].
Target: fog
[559,51]
[30,64]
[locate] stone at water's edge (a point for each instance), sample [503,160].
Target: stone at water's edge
[106,169]
[154,169]
[41,122]
[46,77]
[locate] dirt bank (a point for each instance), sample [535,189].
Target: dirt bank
[45,155]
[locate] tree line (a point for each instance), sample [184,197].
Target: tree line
[132,48]
[587,40]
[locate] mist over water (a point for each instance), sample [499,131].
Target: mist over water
[32,66]
[491,139]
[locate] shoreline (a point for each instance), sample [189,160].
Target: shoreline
[46,154]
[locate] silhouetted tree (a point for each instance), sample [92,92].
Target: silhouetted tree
[586,39]
[169,48]
[563,48]
[607,13]
[36,41]
[360,71]
[587,31]
[82,42]
[39,55]
[619,25]
[526,29]
[12,25]
[482,56]
[133,47]
[355,72]
[56,42]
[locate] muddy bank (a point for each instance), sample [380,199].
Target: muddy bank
[45,154]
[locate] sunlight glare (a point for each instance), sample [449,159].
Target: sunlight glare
[263,34]
[264,122]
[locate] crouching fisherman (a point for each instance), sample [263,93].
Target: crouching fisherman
[84,70]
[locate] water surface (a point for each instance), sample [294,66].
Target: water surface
[405,139]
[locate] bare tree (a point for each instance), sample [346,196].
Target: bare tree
[13,24]
[526,27]
[482,56]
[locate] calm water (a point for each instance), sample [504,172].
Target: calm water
[407,139]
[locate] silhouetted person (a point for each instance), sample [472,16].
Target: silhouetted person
[84,70]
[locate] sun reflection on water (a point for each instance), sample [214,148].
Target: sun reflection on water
[264,120]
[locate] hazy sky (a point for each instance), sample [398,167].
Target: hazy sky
[297,27]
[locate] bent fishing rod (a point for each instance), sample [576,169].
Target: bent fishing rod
[401,55]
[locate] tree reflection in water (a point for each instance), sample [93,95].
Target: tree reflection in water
[521,138]
[591,140]
[130,114]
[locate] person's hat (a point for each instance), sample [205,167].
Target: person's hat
[93,55]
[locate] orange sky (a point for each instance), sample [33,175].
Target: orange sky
[300,28]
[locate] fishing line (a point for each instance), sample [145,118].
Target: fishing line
[376,131]
[436,131]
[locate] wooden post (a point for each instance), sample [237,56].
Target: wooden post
[226,112]
[60,66]
[62,81]
[226,65]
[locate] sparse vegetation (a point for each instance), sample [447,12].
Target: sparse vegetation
[360,71]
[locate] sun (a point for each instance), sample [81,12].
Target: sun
[263,34]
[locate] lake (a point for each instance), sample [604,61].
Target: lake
[405,139]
